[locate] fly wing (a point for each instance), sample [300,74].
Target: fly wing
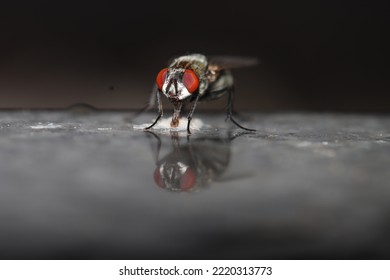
[217,63]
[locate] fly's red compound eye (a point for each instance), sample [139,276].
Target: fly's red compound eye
[190,80]
[161,78]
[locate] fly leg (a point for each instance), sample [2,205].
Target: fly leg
[230,110]
[160,110]
[192,112]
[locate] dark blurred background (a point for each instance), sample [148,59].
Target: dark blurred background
[315,55]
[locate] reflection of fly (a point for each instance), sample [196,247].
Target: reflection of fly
[196,78]
[195,165]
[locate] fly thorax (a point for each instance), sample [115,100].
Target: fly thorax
[203,85]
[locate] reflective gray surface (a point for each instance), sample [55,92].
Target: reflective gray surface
[85,184]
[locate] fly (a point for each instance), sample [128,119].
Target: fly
[193,78]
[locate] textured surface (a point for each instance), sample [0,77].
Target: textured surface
[83,184]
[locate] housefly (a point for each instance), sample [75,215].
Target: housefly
[193,78]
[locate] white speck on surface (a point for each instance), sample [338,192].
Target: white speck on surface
[165,124]
[104,128]
[325,143]
[46,126]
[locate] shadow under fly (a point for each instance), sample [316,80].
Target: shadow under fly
[193,165]
[193,78]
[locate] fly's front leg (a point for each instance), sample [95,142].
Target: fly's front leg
[192,112]
[160,109]
[230,110]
